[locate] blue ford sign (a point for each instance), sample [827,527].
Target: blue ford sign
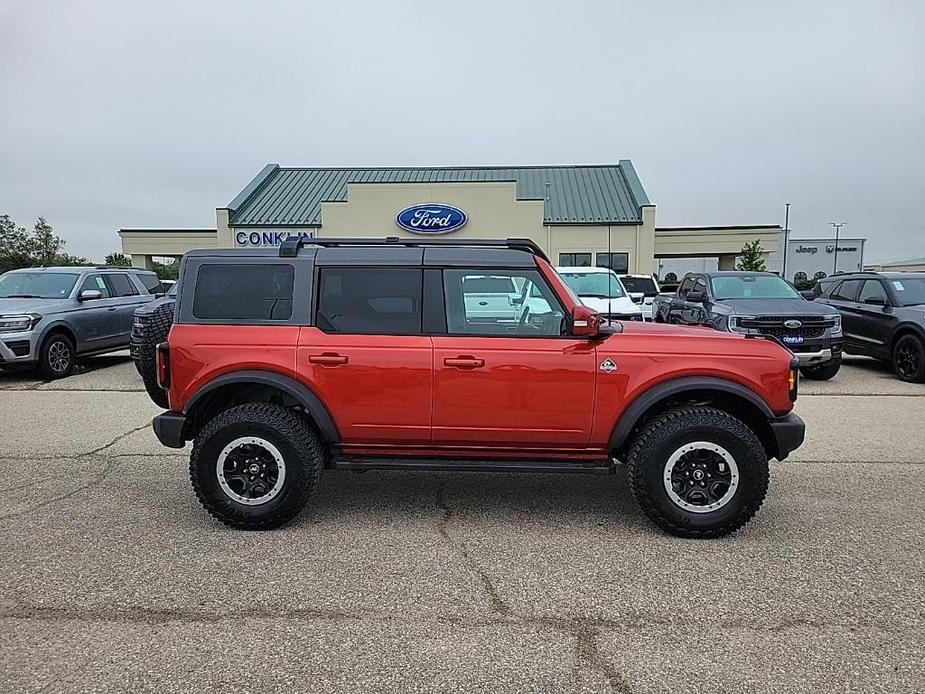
[432,218]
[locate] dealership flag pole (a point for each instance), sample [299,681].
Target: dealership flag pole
[838,227]
[786,237]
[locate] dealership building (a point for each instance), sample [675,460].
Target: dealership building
[580,215]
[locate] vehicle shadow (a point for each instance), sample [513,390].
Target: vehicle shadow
[89,364]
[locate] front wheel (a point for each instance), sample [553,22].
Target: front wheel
[823,371]
[56,357]
[698,472]
[255,466]
[909,359]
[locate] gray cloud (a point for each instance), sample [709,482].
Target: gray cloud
[153,113]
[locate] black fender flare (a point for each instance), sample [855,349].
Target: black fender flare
[295,389]
[666,389]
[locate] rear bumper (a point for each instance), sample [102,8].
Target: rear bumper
[168,428]
[788,433]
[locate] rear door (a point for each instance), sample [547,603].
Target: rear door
[518,382]
[125,297]
[844,298]
[366,357]
[875,317]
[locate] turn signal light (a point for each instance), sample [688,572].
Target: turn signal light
[794,380]
[162,352]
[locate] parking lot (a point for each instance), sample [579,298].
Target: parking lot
[114,579]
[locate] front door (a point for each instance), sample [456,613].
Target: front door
[366,356]
[94,319]
[509,379]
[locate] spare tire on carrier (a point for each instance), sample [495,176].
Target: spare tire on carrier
[148,331]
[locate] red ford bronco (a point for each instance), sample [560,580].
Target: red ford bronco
[438,354]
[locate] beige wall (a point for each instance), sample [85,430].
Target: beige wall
[712,241]
[165,243]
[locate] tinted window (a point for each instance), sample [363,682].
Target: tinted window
[644,285]
[847,290]
[686,285]
[95,282]
[151,283]
[121,285]
[602,285]
[700,285]
[380,301]
[531,309]
[909,290]
[872,289]
[575,259]
[243,292]
[618,262]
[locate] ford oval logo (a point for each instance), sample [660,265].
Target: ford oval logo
[793,324]
[432,218]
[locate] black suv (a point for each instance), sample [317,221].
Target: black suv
[883,315]
[759,303]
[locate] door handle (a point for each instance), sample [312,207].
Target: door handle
[464,362]
[328,359]
[112,308]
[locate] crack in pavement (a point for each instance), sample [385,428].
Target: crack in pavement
[586,650]
[497,604]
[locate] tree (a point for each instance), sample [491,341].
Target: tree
[166,271]
[15,245]
[752,257]
[46,243]
[118,260]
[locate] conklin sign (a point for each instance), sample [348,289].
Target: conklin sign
[267,238]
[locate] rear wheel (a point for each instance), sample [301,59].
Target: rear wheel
[56,357]
[909,359]
[823,371]
[698,472]
[255,466]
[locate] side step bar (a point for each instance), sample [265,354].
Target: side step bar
[362,464]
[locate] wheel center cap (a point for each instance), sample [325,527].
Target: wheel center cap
[698,474]
[254,468]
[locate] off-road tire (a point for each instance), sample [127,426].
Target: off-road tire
[823,371]
[912,342]
[667,433]
[48,365]
[295,439]
[155,332]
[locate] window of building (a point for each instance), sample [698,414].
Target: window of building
[874,290]
[575,259]
[96,283]
[618,262]
[121,285]
[381,301]
[518,302]
[243,292]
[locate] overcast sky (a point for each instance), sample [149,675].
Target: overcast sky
[123,113]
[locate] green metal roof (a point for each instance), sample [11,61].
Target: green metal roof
[601,194]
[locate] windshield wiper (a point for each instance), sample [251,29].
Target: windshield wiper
[21,296]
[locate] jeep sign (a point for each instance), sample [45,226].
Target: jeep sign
[431,218]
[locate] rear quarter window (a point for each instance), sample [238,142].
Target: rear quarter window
[239,292]
[151,283]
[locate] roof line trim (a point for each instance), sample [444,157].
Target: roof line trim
[257,182]
[634,184]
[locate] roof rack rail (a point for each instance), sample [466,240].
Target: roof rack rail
[290,246]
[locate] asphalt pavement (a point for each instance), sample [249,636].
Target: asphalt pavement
[113,579]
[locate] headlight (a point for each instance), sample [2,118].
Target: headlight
[18,323]
[735,327]
[837,318]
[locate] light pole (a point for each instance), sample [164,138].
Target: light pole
[838,226]
[786,237]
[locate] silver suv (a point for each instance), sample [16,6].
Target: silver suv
[51,316]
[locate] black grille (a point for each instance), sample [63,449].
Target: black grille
[18,347]
[773,326]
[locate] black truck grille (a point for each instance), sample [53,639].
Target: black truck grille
[19,347]
[773,326]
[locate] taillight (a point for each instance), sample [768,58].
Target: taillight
[794,379]
[162,352]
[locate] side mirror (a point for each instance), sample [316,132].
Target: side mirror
[90,295]
[695,297]
[875,301]
[586,322]
[808,294]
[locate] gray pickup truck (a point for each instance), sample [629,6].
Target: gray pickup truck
[759,303]
[51,316]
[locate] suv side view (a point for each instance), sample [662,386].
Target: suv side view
[370,354]
[883,316]
[49,317]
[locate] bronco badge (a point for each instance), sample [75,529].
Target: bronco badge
[608,365]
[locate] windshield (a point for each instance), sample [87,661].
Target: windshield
[642,285]
[37,285]
[601,285]
[752,287]
[909,290]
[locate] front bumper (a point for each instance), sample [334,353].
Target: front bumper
[817,350]
[788,433]
[168,428]
[18,348]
